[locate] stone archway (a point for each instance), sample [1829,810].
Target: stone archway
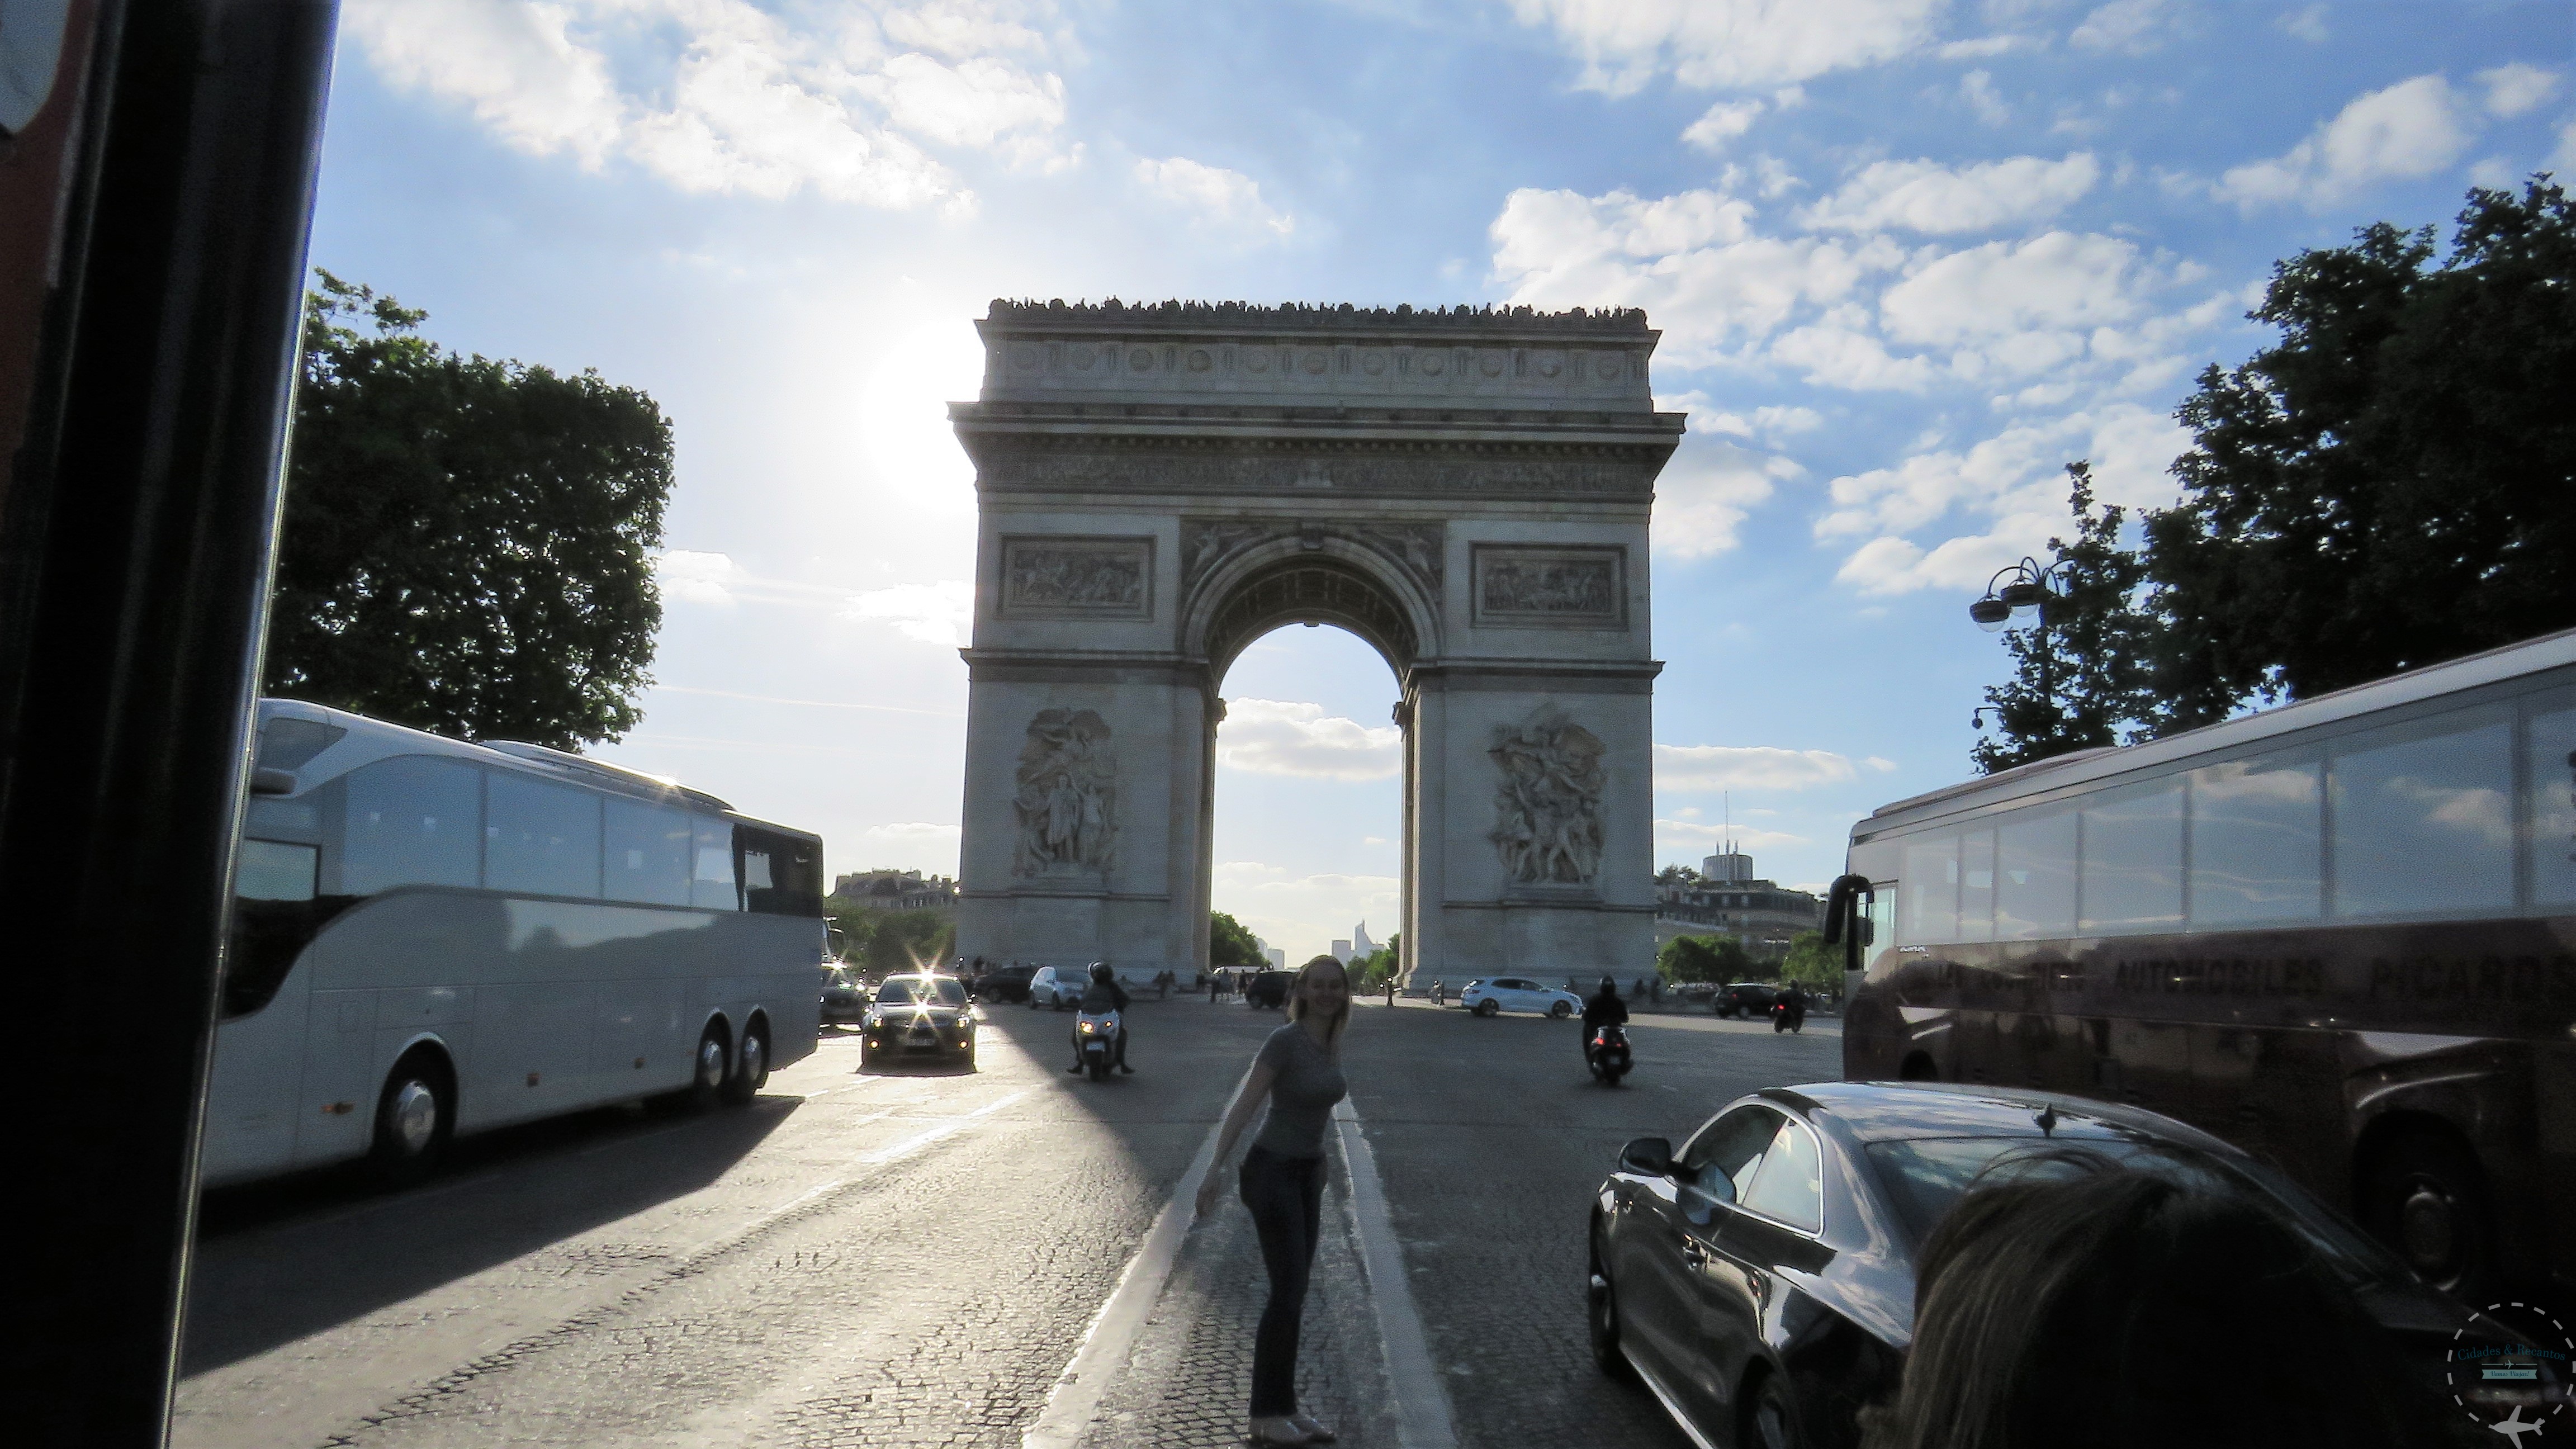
[1466,491]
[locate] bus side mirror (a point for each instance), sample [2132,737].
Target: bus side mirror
[1845,926]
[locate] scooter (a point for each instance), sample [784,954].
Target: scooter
[1785,1018]
[1607,1053]
[1095,1036]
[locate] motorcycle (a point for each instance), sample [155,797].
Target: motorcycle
[1607,1053]
[1785,1017]
[1095,1036]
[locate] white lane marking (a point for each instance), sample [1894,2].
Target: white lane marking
[1422,1419]
[1112,1331]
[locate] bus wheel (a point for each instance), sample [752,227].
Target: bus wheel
[1918,1068]
[414,1117]
[707,1078]
[2424,1195]
[752,1072]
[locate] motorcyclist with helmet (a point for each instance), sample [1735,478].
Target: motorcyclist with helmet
[1103,994]
[1603,1007]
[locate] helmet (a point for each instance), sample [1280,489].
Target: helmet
[1609,987]
[1099,970]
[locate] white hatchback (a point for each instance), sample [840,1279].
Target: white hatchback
[1058,986]
[1518,993]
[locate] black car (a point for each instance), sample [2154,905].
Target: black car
[919,1015]
[1270,989]
[1003,984]
[1761,1280]
[1745,998]
[845,996]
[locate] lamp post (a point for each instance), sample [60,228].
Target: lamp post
[2020,595]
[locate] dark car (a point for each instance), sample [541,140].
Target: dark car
[845,996]
[1761,1280]
[1744,998]
[919,1015]
[1269,988]
[1003,983]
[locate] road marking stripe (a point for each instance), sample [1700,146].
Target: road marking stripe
[1422,1419]
[1112,1331]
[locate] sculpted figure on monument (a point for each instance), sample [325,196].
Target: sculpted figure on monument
[1039,575]
[1067,786]
[1548,825]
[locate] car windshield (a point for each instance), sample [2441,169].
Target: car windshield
[1925,1176]
[931,991]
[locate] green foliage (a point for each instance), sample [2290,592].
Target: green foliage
[467,543]
[1371,972]
[1704,958]
[2082,671]
[2391,485]
[1230,944]
[881,941]
[1811,962]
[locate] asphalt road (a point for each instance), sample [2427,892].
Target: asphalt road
[915,1257]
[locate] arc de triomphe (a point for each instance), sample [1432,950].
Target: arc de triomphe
[1467,491]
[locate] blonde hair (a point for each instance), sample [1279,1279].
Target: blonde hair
[1297,998]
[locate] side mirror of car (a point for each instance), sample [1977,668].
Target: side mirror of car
[1648,1157]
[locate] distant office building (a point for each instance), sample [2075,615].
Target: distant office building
[1729,900]
[1278,957]
[1342,952]
[1361,945]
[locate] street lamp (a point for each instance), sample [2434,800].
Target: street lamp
[2021,601]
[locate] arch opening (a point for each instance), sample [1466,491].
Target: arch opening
[1311,588]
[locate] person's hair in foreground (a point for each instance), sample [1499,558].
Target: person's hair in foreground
[2107,1306]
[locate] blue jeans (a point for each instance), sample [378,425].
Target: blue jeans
[1286,1196]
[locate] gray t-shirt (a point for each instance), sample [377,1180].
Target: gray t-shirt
[1305,1084]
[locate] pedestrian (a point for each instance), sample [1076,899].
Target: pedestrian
[1390,988]
[1439,992]
[2082,1301]
[1299,1073]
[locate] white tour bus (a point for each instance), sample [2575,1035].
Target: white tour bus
[432,937]
[2341,933]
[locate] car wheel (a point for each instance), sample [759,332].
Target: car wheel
[1771,1422]
[1560,1011]
[2424,1195]
[1602,1301]
[414,1116]
[751,1072]
[707,1077]
[1486,1008]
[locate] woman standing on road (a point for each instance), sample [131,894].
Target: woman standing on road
[1299,1073]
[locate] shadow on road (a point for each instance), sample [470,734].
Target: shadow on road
[262,1277]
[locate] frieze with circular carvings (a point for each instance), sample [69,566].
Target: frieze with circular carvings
[1549,367]
[1141,359]
[1256,359]
[1373,363]
[1024,356]
[1491,364]
[1610,368]
[1083,357]
[1433,364]
[1314,361]
[1200,361]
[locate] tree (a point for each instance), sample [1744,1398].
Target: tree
[467,543]
[1371,972]
[879,940]
[2082,671]
[2394,483]
[1812,962]
[1229,944]
[1703,958]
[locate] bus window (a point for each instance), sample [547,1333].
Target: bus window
[410,820]
[2256,841]
[781,875]
[2423,817]
[647,858]
[2132,867]
[1932,890]
[289,744]
[1977,886]
[1881,936]
[271,870]
[542,839]
[711,883]
[2035,876]
[2553,803]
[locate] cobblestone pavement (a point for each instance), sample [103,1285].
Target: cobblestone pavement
[911,1258]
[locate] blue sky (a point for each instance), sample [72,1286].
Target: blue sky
[1909,257]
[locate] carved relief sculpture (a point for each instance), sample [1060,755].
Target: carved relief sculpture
[1068,790]
[1548,810]
[1527,586]
[1083,578]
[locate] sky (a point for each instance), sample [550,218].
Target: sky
[1909,259]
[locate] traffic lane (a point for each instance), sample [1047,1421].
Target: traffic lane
[305,1322]
[1491,1139]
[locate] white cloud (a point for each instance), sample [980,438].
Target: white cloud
[727,97]
[697,578]
[2128,26]
[1723,123]
[1303,914]
[1926,196]
[1977,88]
[1278,737]
[1983,46]
[2411,129]
[941,613]
[2308,24]
[1705,492]
[1698,838]
[1729,43]
[2018,309]
[913,845]
[2516,88]
[1227,198]
[1748,767]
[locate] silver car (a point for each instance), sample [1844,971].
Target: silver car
[1518,993]
[1058,986]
